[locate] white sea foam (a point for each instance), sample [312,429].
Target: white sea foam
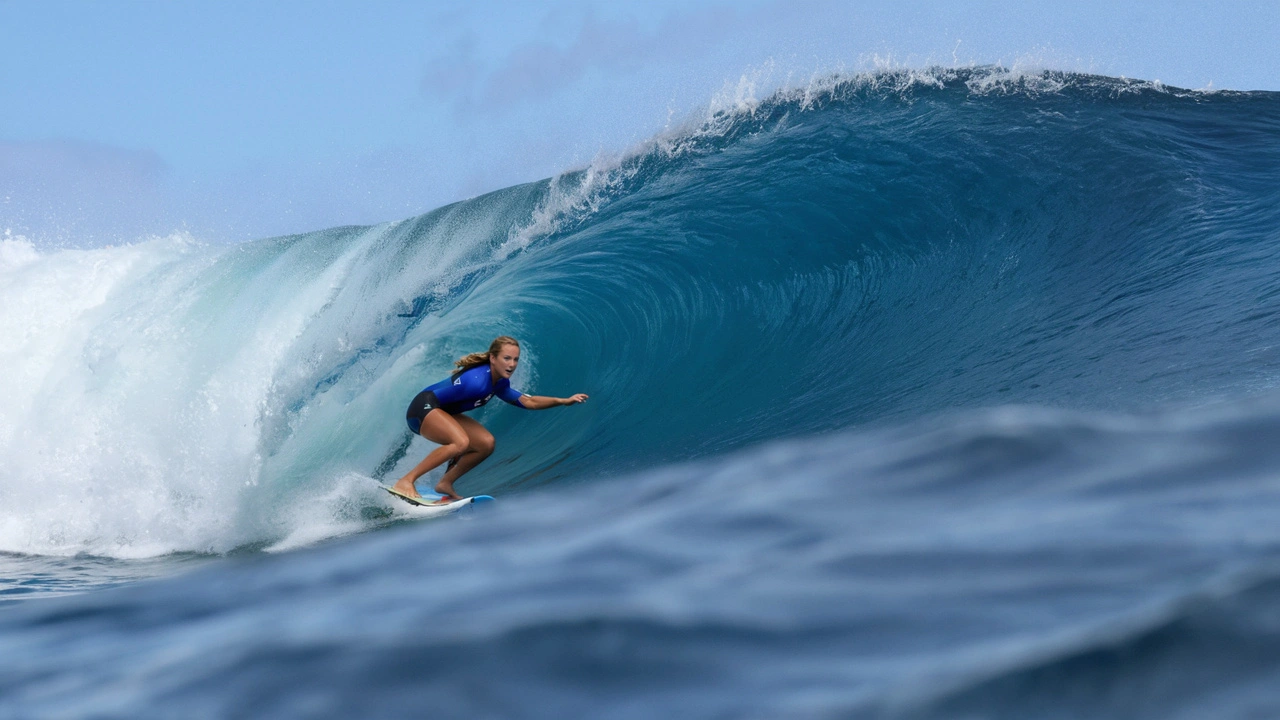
[168,396]
[136,380]
[16,251]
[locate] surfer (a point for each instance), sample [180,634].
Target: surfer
[436,414]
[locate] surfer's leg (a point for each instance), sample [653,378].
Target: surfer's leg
[442,428]
[480,445]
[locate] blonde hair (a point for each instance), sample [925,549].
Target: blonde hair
[474,360]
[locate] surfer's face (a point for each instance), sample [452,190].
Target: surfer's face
[504,361]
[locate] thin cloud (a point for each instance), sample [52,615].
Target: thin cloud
[540,69]
[536,70]
[454,73]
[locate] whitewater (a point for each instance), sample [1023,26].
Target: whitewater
[933,393]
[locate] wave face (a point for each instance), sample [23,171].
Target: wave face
[866,250]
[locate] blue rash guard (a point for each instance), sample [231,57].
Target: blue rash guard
[460,393]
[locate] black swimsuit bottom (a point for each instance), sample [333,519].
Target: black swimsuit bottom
[422,404]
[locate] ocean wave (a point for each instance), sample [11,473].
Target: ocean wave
[846,252]
[1206,653]
[896,572]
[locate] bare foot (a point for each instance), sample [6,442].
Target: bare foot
[405,486]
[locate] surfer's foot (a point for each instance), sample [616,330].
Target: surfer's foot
[448,493]
[406,488]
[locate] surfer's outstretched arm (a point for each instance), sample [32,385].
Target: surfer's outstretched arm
[541,402]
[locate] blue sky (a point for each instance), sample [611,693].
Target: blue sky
[233,120]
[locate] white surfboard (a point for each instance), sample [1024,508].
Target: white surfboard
[423,507]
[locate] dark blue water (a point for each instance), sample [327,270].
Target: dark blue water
[940,394]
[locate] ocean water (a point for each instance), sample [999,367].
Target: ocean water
[914,394]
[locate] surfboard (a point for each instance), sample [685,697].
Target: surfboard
[423,505]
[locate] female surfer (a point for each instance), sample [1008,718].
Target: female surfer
[436,414]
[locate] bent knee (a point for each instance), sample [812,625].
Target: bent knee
[456,447]
[484,446]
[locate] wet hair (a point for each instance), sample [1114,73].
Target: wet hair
[482,358]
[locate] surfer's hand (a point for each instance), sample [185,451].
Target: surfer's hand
[575,399]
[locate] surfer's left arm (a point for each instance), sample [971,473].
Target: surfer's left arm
[540,402]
